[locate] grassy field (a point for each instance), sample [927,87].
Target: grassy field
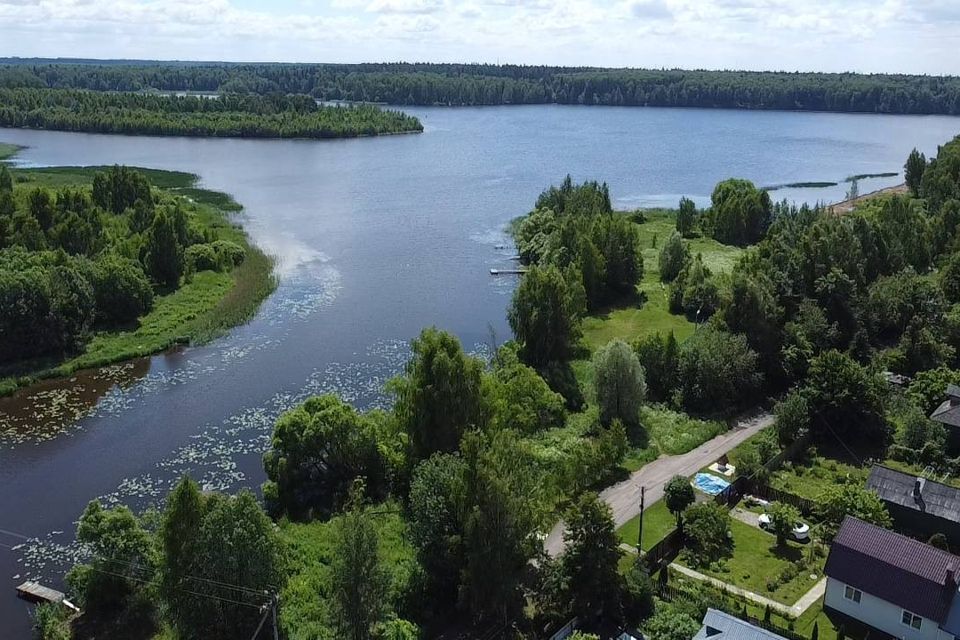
[653,315]
[810,479]
[657,523]
[198,311]
[756,559]
[675,433]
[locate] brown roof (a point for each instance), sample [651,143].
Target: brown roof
[894,568]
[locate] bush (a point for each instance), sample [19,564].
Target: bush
[718,372]
[201,257]
[229,254]
[707,528]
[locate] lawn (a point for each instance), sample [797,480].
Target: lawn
[756,561]
[657,523]
[652,315]
[810,479]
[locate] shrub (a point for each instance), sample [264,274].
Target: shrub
[201,257]
[229,254]
[121,289]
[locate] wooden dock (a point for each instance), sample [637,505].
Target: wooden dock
[36,592]
[505,272]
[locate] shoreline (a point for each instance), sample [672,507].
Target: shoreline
[846,206]
[250,284]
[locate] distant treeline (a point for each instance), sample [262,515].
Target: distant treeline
[252,116]
[477,84]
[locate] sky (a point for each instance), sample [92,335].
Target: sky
[908,36]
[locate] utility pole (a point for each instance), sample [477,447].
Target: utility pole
[643,495]
[274,602]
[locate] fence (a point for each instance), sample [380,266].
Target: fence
[766,492]
[664,552]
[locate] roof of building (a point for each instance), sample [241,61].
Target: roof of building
[948,412]
[718,625]
[900,488]
[893,567]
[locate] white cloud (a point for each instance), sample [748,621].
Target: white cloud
[868,35]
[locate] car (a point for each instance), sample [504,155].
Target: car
[800,533]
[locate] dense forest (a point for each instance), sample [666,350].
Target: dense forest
[248,116]
[484,84]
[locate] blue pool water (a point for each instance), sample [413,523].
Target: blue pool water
[710,484]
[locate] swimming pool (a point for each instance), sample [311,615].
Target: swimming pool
[709,484]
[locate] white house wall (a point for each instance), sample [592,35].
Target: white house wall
[880,614]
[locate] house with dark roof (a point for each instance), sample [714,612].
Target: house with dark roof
[948,414]
[918,505]
[893,584]
[718,625]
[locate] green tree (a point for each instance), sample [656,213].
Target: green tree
[674,257]
[436,500]
[6,180]
[123,558]
[783,518]
[121,289]
[847,400]
[178,539]
[686,217]
[316,453]
[717,371]
[678,495]
[164,254]
[848,499]
[440,396]
[671,623]
[913,171]
[707,531]
[620,383]
[590,559]
[504,511]
[752,310]
[638,594]
[792,418]
[701,296]
[520,398]
[545,317]
[928,388]
[359,581]
[741,212]
[660,358]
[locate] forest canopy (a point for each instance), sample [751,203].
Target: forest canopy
[228,115]
[485,84]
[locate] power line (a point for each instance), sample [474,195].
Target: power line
[187,591]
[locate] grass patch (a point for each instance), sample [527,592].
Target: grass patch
[307,552]
[676,433]
[756,560]
[657,523]
[8,150]
[197,312]
[810,479]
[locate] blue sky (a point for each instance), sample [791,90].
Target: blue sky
[916,36]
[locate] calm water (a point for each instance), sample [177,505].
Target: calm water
[375,239]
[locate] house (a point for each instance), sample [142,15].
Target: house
[948,414]
[917,505]
[718,625]
[892,584]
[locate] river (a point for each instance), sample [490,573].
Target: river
[375,238]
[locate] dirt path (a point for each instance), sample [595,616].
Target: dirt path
[848,205]
[624,497]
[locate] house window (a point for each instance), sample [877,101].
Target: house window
[911,619]
[852,594]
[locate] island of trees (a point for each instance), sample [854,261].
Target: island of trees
[246,116]
[484,84]
[83,265]
[403,523]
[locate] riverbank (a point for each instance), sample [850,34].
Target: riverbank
[204,307]
[846,206]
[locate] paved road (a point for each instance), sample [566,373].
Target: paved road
[624,497]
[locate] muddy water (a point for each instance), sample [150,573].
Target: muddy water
[374,239]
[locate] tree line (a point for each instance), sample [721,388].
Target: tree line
[249,116]
[484,84]
[76,260]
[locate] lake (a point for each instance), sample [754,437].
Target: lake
[375,238]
